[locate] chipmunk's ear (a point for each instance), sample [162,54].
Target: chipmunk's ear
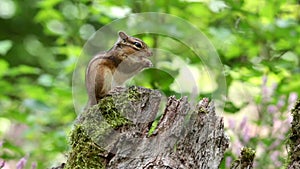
[123,35]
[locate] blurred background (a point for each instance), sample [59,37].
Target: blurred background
[40,41]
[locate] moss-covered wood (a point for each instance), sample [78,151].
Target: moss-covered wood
[85,153]
[115,133]
[294,139]
[245,160]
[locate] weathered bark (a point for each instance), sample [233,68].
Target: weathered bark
[294,139]
[119,133]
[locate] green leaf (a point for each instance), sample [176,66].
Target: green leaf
[5,45]
[3,67]
[23,69]
[48,3]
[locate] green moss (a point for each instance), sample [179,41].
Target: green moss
[133,94]
[202,110]
[95,128]
[247,154]
[245,159]
[85,153]
[112,112]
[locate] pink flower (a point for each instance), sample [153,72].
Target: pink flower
[272,109]
[228,162]
[2,163]
[246,136]
[21,163]
[264,80]
[33,165]
[274,157]
[292,99]
[231,124]
[243,123]
[281,102]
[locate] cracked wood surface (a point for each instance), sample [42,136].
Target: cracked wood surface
[186,136]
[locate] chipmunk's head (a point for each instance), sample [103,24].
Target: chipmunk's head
[132,45]
[134,50]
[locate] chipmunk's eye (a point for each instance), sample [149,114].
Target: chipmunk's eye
[137,44]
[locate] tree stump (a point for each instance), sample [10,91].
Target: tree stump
[125,130]
[294,139]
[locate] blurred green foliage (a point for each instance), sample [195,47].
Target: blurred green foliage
[41,40]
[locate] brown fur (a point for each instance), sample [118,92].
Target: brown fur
[112,68]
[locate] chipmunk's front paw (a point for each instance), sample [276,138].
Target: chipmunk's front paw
[147,63]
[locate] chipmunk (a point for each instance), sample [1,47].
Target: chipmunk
[112,68]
